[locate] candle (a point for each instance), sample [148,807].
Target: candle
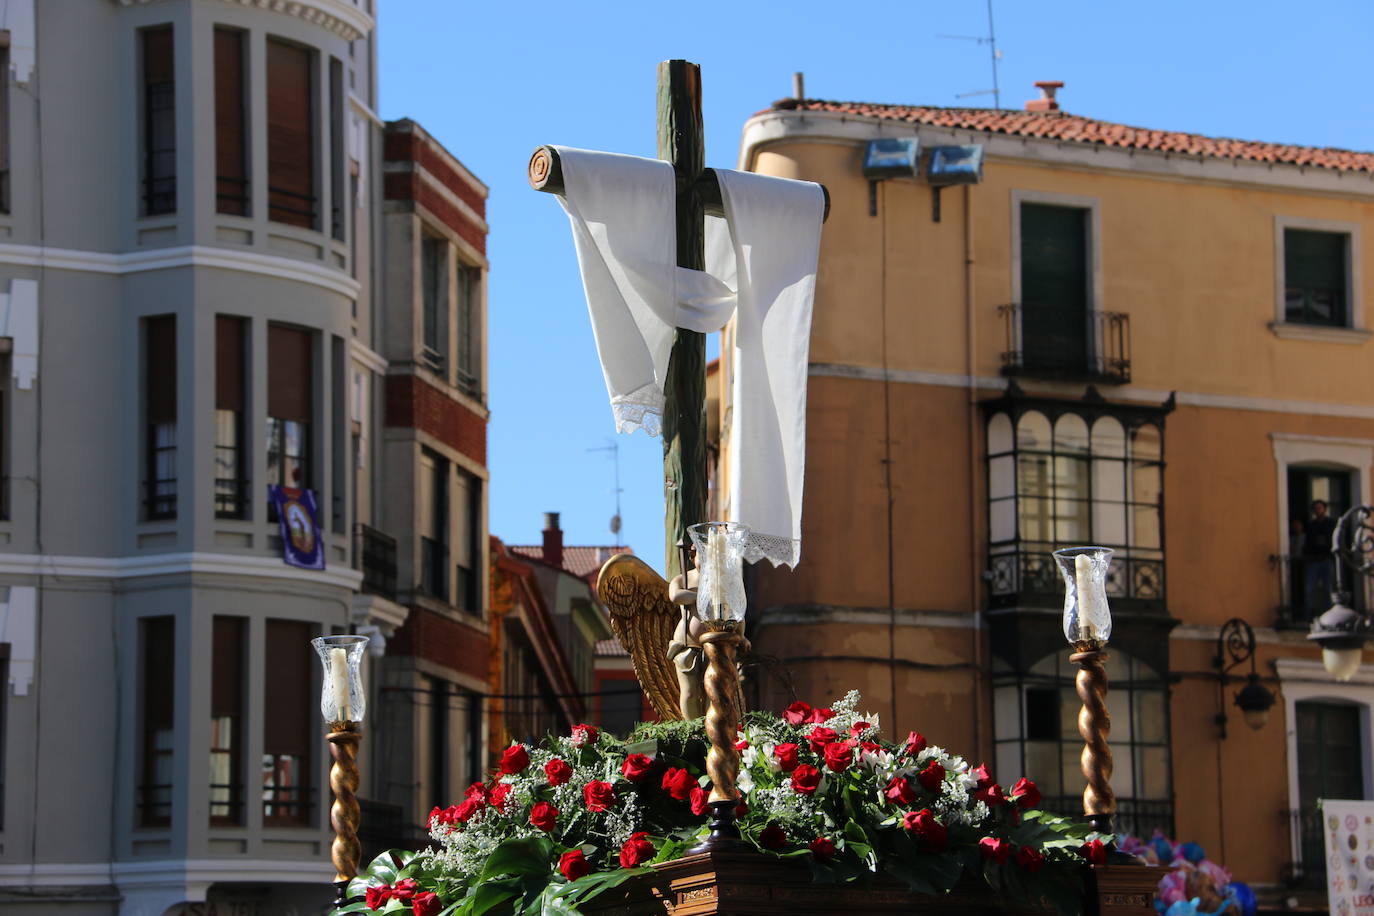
[718,571]
[338,678]
[1088,612]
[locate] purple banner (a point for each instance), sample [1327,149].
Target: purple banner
[300,528]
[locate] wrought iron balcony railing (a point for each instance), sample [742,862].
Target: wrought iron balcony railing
[1304,586]
[1026,575]
[375,552]
[1309,868]
[1059,342]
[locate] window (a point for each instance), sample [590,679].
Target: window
[1316,277]
[231,470]
[226,720]
[159,122]
[231,128]
[1311,572]
[337,201]
[1036,735]
[468,368]
[434,301]
[156,706]
[290,406]
[5,122]
[440,757]
[291,193]
[288,732]
[1054,287]
[467,541]
[1330,765]
[1060,476]
[434,525]
[160,414]
[4,720]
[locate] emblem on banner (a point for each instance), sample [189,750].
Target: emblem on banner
[298,517]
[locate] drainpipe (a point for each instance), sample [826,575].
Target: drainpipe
[980,666]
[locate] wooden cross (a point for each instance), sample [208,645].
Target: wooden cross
[680,142]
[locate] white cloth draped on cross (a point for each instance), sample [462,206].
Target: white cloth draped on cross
[760,268]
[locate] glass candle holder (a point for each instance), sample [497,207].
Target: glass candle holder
[1087,618]
[341,698]
[720,569]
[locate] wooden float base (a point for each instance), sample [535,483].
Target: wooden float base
[750,884]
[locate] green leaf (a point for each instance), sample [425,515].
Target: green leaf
[490,895]
[383,868]
[526,856]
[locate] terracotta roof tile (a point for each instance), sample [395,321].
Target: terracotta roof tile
[582,561]
[610,648]
[1060,125]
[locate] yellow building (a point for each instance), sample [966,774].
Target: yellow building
[1150,340]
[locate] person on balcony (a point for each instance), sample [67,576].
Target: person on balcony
[1316,554]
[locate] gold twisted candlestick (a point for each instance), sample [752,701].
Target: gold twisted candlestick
[344,814]
[1095,724]
[722,725]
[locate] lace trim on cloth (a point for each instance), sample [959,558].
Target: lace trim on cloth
[640,409]
[779,551]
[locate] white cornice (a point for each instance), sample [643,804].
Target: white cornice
[365,356]
[168,564]
[183,256]
[338,16]
[771,127]
[190,871]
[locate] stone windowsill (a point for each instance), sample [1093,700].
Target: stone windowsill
[1317,332]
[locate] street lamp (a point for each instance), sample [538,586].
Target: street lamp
[1235,646]
[1341,632]
[342,703]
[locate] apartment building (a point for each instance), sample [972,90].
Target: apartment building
[220,270]
[1084,333]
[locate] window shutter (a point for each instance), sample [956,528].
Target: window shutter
[160,373]
[226,677]
[290,134]
[229,362]
[159,122]
[231,160]
[288,657]
[290,395]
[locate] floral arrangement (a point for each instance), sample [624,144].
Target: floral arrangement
[1194,884]
[558,823]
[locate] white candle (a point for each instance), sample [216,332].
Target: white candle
[338,679]
[1088,612]
[718,566]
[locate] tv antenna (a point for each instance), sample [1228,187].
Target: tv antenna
[990,39]
[613,447]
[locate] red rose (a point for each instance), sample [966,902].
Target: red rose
[787,756]
[992,794]
[806,779]
[1095,851]
[583,735]
[636,767]
[637,850]
[741,809]
[927,829]
[858,728]
[558,771]
[700,801]
[741,745]
[405,889]
[514,759]
[980,773]
[1025,793]
[476,790]
[498,795]
[573,864]
[838,756]
[678,783]
[899,791]
[1030,859]
[427,904]
[995,848]
[822,849]
[820,715]
[543,815]
[915,743]
[797,714]
[820,737]
[932,777]
[378,896]
[465,812]
[598,795]
[871,747]
[773,837]
[446,816]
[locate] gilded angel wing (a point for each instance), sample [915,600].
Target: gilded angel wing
[643,619]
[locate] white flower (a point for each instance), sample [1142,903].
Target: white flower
[751,756]
[770,757]
[746,781]
[879,760]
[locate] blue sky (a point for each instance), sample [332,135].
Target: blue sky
[494,80]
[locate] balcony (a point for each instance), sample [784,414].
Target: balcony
[1309,870]
[1021,575]
[376,552]
[1304,587]
[1066,344]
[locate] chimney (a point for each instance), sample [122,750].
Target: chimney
[553,540]
[1046,101]
[798,86]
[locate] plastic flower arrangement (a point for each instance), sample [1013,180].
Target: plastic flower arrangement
[558,823]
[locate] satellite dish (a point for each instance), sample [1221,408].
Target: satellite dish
[615,524]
